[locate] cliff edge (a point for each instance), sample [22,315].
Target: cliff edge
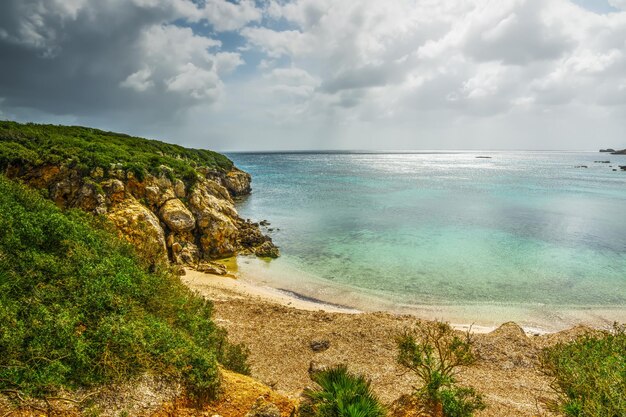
[172,203]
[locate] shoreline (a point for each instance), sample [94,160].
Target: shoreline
[234,285]
[280,329]
[294,288]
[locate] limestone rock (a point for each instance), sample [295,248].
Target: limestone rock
[319,345]
[179,189]
[140,227]
[212,268]
[263,408]
[267,250]
[218,231]
[237,182]
[114,190]
[198,221]
[177,217]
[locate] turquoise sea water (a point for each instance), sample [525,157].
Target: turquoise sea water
[448,228]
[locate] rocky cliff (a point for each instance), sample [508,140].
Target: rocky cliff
[187,219]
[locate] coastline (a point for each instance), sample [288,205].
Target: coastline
[291,287]
[279,328]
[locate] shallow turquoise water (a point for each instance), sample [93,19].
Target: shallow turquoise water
[448,228]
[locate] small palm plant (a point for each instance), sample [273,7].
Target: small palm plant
[341,394]
[435,353]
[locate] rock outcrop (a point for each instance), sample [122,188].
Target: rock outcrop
[185,221]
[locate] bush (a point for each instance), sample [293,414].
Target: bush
[83,148]
[435,353]
[341,394]
[78,308]
[589,375]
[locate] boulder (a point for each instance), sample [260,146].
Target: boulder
[212,268]
[267,250]
[179,189]
[141,227]
[176,216]
[215,219]
[237,182]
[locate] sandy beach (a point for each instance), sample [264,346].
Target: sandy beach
[279,328]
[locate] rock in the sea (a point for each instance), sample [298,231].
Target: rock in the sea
[267,250]
[622,167]
[607,150]
[319,345]
[263,408]
[177,217]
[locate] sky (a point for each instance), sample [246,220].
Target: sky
[322,74]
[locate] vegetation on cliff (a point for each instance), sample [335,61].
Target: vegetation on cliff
[170,202]
[589,374]
[83,149]
[79,308]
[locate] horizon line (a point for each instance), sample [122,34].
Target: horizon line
[392,151]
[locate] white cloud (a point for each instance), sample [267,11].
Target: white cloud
[196,82]
[138,81]
[428,69]
[181,62]
[224,15]
[480,57]
[618,4]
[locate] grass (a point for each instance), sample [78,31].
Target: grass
[589,375]
[78,308]
[83,149]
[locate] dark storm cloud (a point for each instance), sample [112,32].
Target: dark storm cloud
[76,65]
[94,57]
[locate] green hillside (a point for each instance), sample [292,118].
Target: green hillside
[78,308]
[85,148]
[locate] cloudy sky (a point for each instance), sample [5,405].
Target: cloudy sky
[322,74]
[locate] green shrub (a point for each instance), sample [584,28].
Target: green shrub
[589,375]
[341,394]
[79,309]
[84,149]
[435,353]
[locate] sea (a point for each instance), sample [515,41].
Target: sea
[465,236]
